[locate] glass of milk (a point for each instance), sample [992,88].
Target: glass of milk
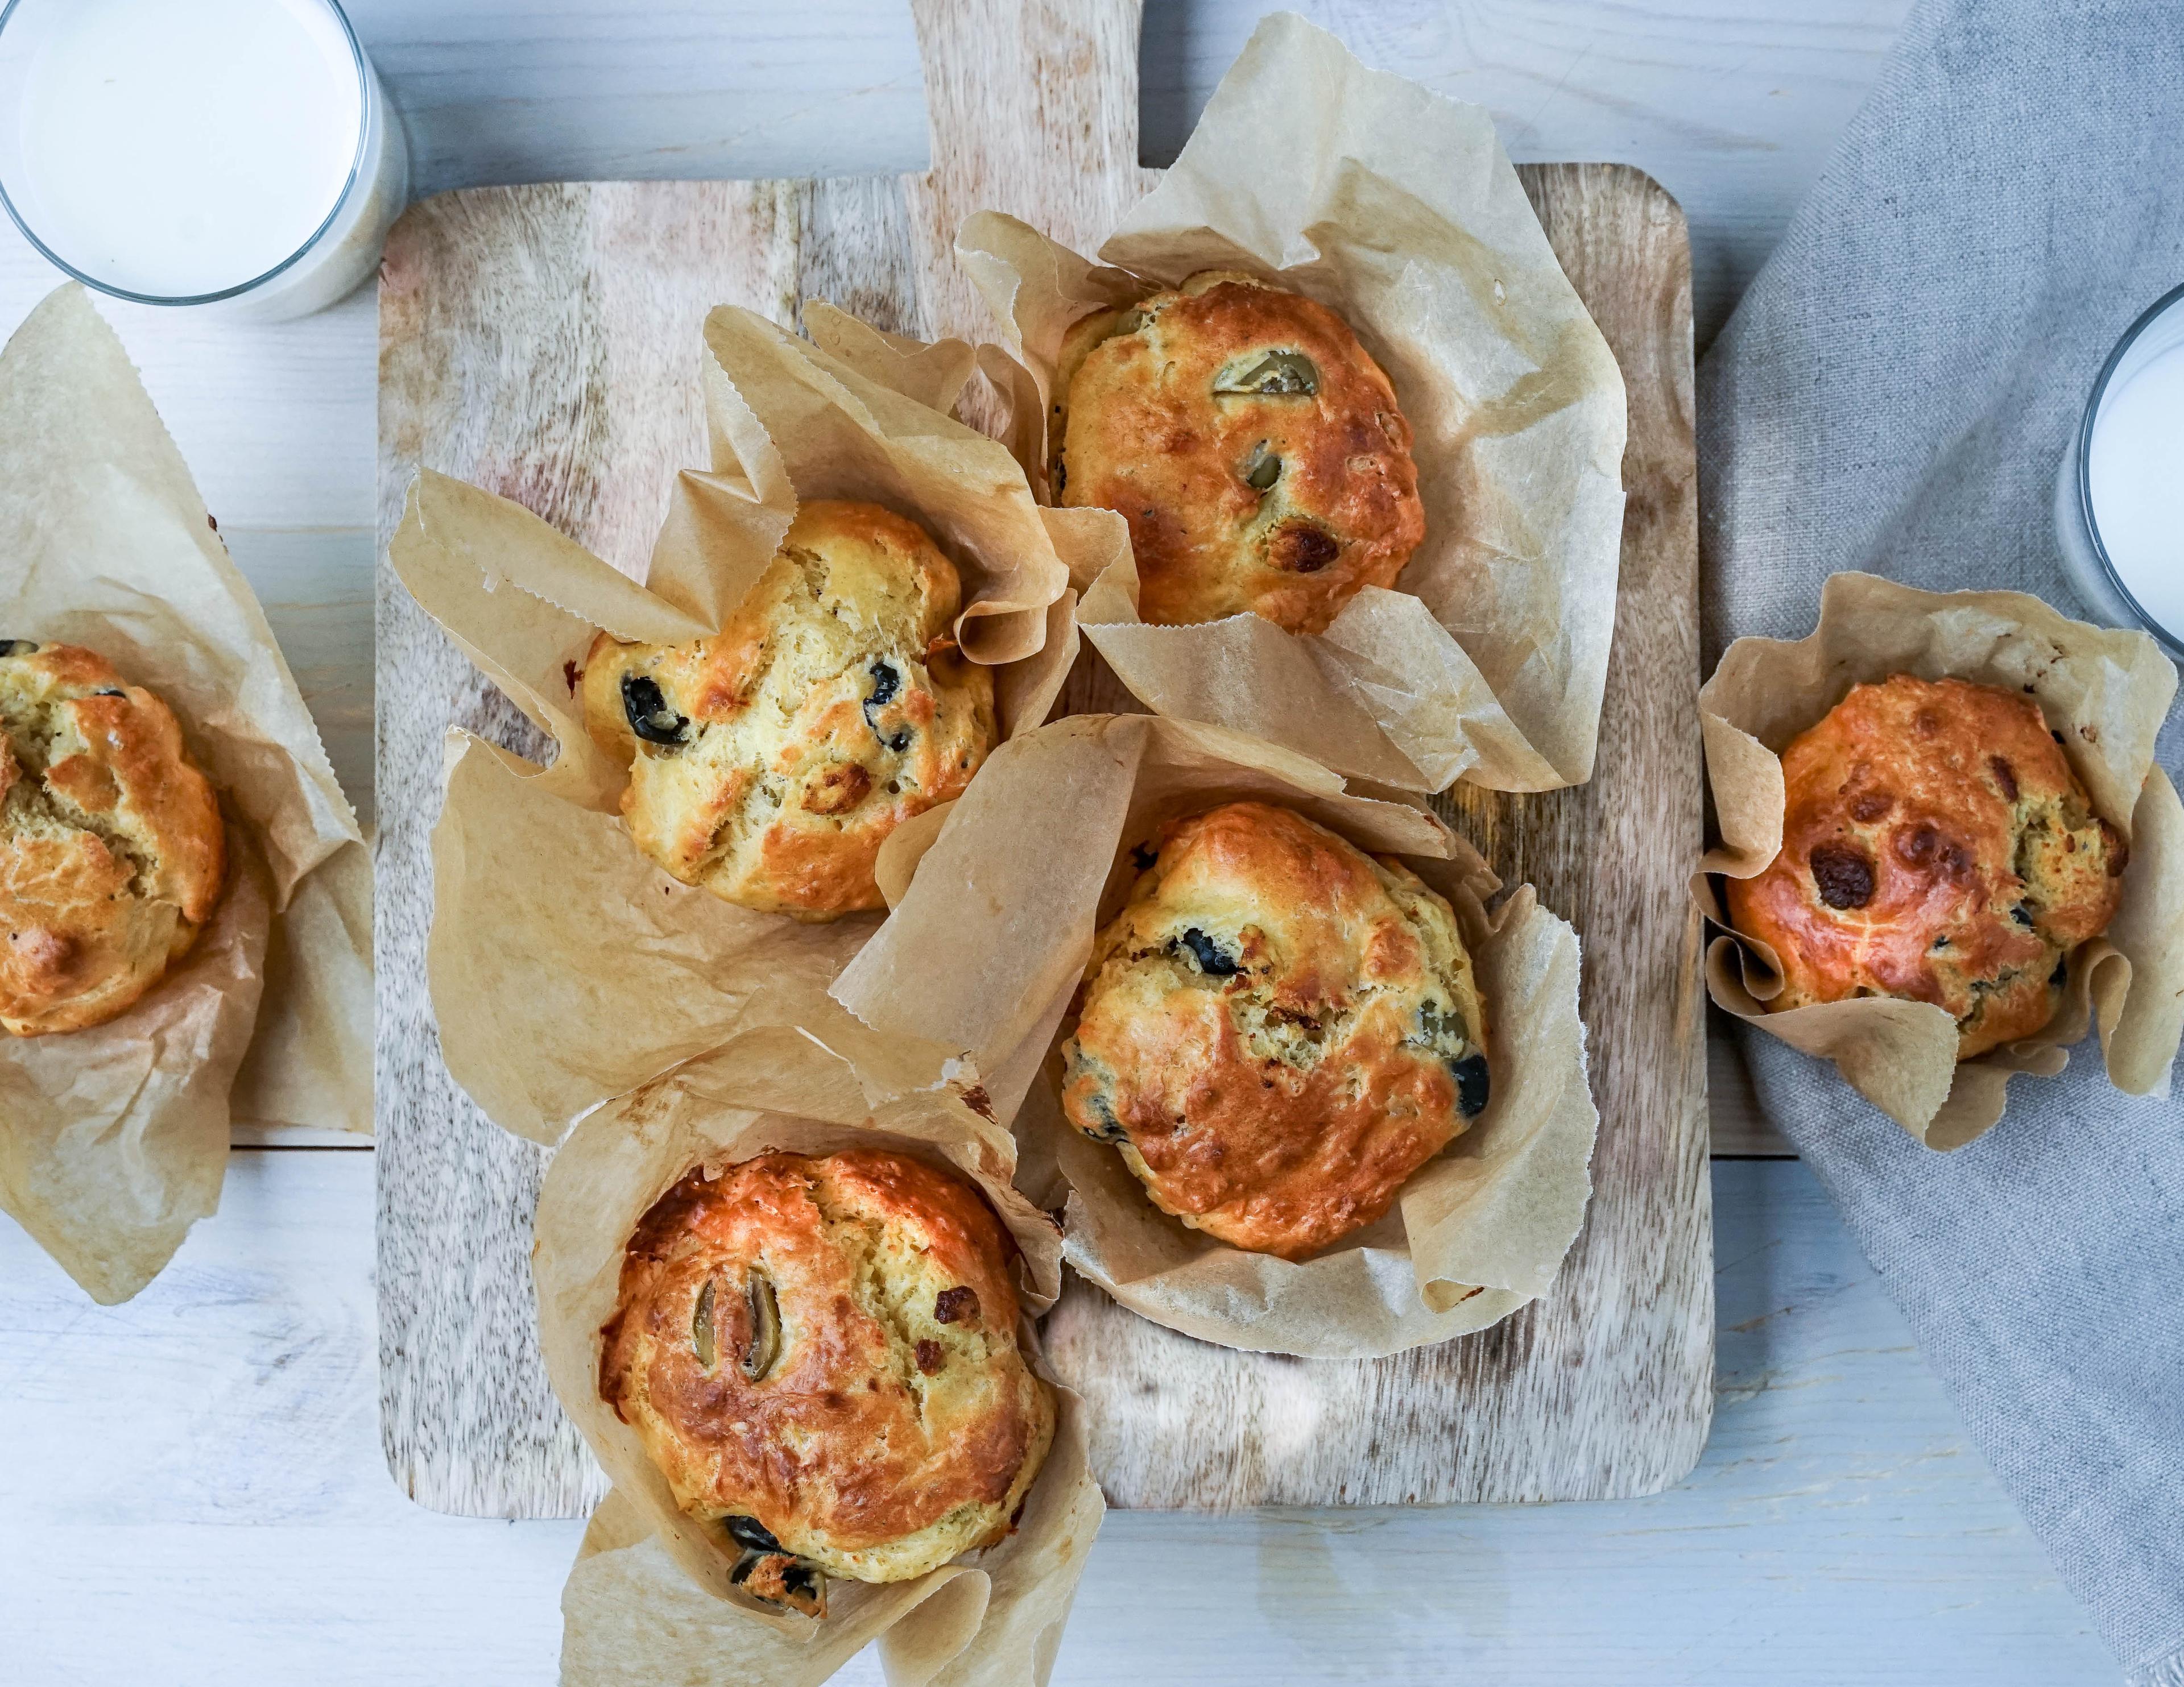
[2119,497]
[233,153]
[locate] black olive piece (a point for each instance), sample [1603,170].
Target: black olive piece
[1940,943]
[886,683]
[109,694]
[1142,857]
[2023,915]
[19,646]
[793,1583]
[751,1532]
[1212,959]
[1110,1128]
[1471,1084]
[649,716]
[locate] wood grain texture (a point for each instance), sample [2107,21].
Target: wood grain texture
[542,342]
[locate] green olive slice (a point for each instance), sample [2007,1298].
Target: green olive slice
[765,1346]
[701,1328]
[1261,468]
[1270,374]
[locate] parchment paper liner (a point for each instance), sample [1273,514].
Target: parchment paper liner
[996,904]
[648,1600]
[564,966]
[1400,210]
[114,1139]
[2106,694]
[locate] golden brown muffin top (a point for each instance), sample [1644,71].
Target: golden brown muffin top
[769,763]
[1276,1031]
[112,850]
[1255,448]
[821,1353]
[1937,847]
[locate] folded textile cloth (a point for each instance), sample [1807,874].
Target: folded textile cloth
[1894,394]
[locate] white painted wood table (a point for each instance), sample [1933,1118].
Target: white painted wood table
[191,1486]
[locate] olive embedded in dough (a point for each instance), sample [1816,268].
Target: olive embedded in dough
[764,1326]
[1276,375]
[649,716]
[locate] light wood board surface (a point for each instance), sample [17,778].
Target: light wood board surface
[541,341]
[194,1496]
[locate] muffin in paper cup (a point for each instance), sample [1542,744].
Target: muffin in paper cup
[996,900]
[1400,211]
[651,1597]
[2103,695]
[566,967]
[116,1134]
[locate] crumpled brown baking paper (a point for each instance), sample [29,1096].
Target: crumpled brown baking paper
[564,966]
[997,903]
[2105,692]
[1400,210]
[113,1140]
[648,1600]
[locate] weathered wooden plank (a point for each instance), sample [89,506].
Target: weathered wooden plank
[541,343]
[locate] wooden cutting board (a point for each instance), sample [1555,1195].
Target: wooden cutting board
[544,342]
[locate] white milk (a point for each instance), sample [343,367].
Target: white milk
[173,148]
[2135,473]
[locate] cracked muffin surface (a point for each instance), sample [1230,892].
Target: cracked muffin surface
[1276,1031]
[1253,445]
[1937,847]
[112,850]
[770,762]
[821,1355]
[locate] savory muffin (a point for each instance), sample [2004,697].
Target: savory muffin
[1936,847]
[1276,1031]
[1255,448]
[821,1356]
[770,762]
[112,853]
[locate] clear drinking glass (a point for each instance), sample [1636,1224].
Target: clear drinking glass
[236,155]
[2127,454]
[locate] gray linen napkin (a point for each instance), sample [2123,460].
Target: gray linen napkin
[1894,394]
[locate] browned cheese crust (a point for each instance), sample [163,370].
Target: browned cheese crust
[1277,1030]
[770,762]
[821,1355]
[1937,847]
[1255,448]
[112,853]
